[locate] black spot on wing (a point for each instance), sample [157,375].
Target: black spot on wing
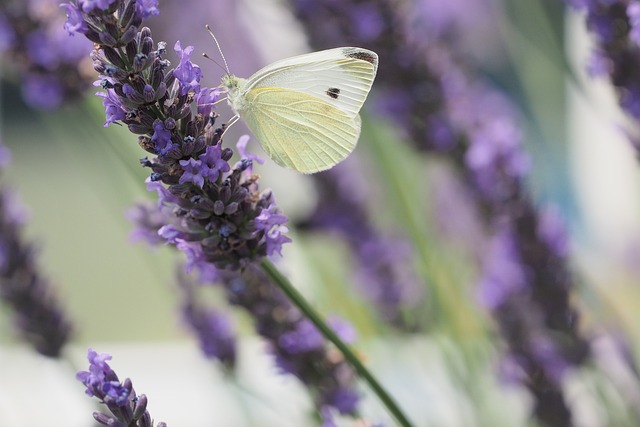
[363,55]
[333,92]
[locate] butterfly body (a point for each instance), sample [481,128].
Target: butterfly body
[304,110]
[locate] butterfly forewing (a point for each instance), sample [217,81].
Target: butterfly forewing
[341,77]
[298,130]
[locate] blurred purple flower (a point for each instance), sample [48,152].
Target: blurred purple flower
[39,52]
[37,314]
[503,271]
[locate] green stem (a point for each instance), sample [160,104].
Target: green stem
[298,300]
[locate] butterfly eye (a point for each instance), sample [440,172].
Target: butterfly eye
[333,92]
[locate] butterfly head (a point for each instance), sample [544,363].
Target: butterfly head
[232,84]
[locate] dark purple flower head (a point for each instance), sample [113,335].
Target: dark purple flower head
[187,73]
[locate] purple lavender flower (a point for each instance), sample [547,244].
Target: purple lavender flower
[39,52]
[119,397]
[37,314]
[213,165]
[187,72]
[193,172]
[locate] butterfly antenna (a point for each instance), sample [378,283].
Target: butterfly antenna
[226,66]
[204,55]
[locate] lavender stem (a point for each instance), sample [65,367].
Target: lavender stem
[301,303]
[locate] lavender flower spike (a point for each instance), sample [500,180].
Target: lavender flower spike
[218,215]
[38,316]
[126,407]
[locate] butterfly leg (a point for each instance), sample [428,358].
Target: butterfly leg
[230,123]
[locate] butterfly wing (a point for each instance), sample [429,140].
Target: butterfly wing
[341,77]
[298,130]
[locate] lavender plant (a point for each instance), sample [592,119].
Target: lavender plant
[35,48]
[127,409]
[213,212]
[443,112]
[38,316]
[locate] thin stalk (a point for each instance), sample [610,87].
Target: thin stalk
[299,301]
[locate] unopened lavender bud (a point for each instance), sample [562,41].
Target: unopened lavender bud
[141,407]
[147,46]
[128,14]
[149,94]
[107,39]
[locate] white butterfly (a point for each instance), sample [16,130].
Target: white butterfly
[304,110]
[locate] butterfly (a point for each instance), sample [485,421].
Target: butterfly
[304,110]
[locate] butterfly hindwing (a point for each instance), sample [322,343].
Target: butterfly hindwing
[298,130]
[341,77]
